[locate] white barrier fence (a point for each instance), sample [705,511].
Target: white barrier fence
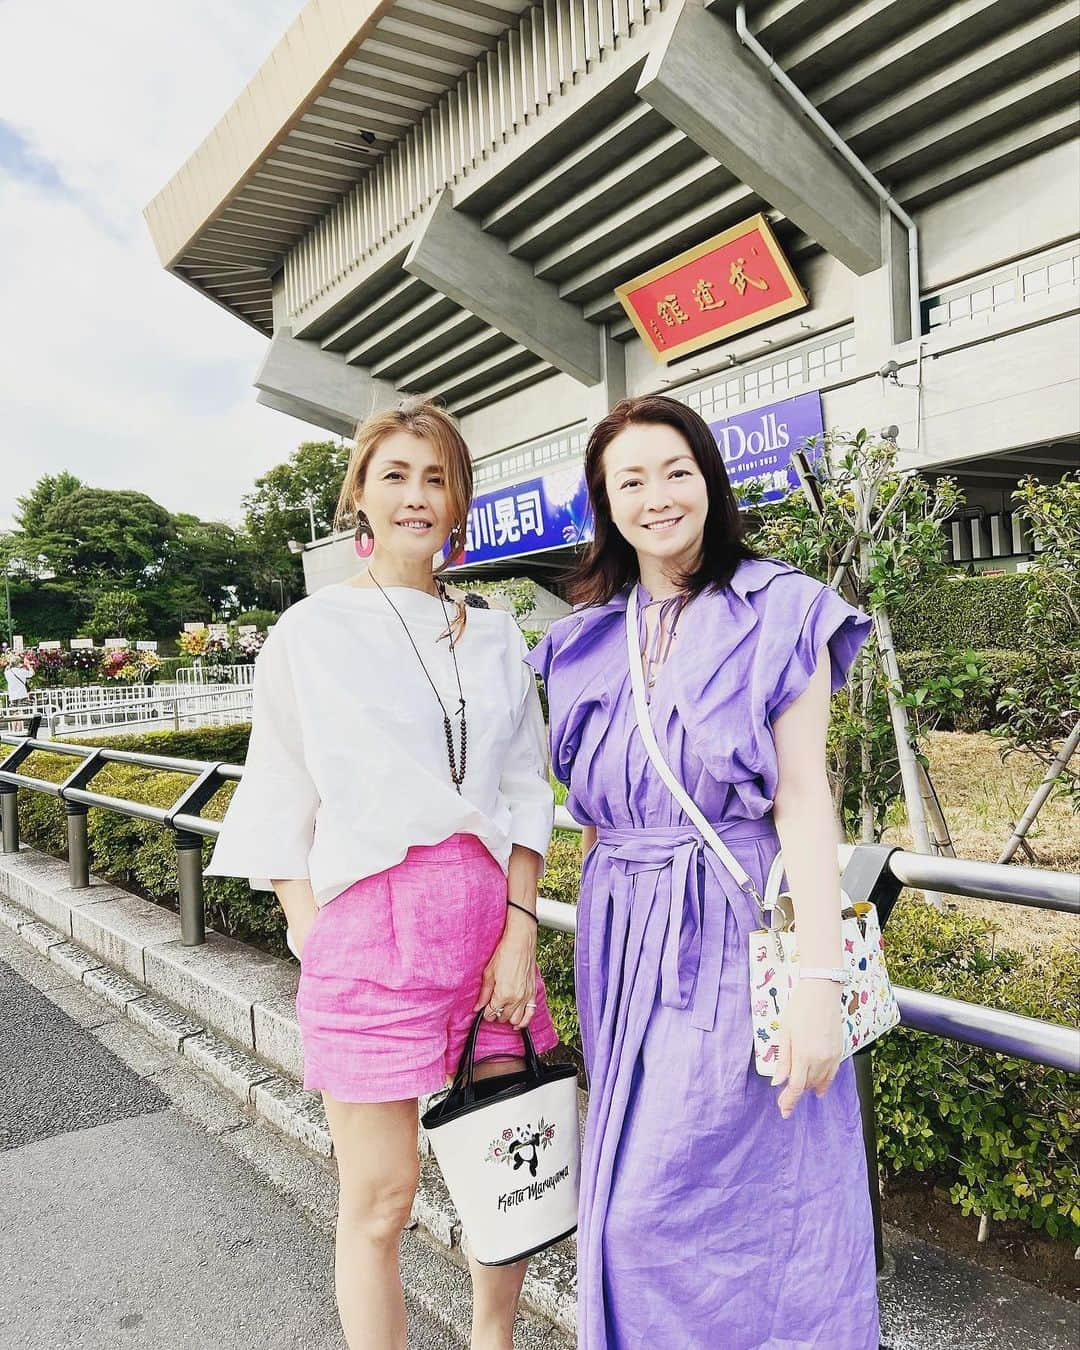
[171,706]
[199,674]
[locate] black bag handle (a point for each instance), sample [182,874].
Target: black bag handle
[464,1081]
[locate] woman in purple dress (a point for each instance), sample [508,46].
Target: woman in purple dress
[719,1210]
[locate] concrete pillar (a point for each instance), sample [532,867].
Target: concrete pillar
[299,378]
[455,257]
[277,292]
[702,79]
[602,397]
[883,297]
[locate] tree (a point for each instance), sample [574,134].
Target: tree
[277,511]
[46,492]
[100,535]
[118,614]
[891,523]
[205,572]
[1041,705]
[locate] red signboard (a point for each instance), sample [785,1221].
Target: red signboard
[734,281]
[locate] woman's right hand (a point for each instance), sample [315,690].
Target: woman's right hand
[811,1043]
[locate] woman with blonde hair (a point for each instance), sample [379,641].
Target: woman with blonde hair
[396,799]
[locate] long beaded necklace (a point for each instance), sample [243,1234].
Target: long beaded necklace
[457,770]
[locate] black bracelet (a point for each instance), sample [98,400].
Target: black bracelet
[514,904]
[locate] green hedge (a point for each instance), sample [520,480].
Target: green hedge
[222,745]
[1003,1134]
[965,611]
[1000,1133]
[1003,669]
[977,612]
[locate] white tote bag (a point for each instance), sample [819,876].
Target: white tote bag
[510,1152]
[868,1003]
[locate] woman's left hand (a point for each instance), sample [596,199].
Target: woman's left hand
[509,980]
[811,1042]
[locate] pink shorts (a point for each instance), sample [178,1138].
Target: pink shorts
[391,971]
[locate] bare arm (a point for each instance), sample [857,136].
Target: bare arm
[588,838]
[811,1038]
[805,822]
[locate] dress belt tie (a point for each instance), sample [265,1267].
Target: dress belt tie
[689,972]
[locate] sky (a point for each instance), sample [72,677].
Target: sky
[110,367]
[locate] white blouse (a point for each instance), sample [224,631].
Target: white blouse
[347,764]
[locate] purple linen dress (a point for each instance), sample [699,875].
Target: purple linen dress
[707,1221]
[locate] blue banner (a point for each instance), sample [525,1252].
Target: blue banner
[757,446]
[529,517]
[553,510]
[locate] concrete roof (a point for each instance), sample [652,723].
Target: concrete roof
[345,83]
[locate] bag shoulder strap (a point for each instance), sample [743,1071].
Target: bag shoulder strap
[641,708]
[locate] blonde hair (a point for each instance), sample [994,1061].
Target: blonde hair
[420,418]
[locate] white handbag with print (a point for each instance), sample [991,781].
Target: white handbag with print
[510,1152]
[868,1003]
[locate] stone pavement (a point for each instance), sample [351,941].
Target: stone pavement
[144,1207]
[208,1155]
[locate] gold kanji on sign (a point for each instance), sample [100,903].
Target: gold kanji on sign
[671,311]
[740,280]
[703,294]
[735,281]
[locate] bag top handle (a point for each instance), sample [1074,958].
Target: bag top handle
[464,1081]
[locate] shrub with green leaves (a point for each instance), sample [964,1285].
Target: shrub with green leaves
[963,611]
[1003,1134]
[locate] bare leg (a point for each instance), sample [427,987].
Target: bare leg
[496,1289]
[378,1169]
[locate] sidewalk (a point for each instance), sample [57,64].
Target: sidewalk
[145,1207]
[227,1011]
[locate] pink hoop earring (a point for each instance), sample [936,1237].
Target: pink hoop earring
[363,541]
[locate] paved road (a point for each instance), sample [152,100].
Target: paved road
[142,1207]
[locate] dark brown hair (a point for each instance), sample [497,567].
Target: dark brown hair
[610,562]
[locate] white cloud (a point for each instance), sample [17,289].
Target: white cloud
[109,367]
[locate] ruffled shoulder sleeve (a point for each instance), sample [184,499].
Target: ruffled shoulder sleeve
[756,644]
[571,659]
[803,622]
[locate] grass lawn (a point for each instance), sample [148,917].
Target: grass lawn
[982,799]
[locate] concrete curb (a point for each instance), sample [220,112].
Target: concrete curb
[229,1009]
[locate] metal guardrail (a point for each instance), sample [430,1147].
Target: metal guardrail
[182,817]
[872,872]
